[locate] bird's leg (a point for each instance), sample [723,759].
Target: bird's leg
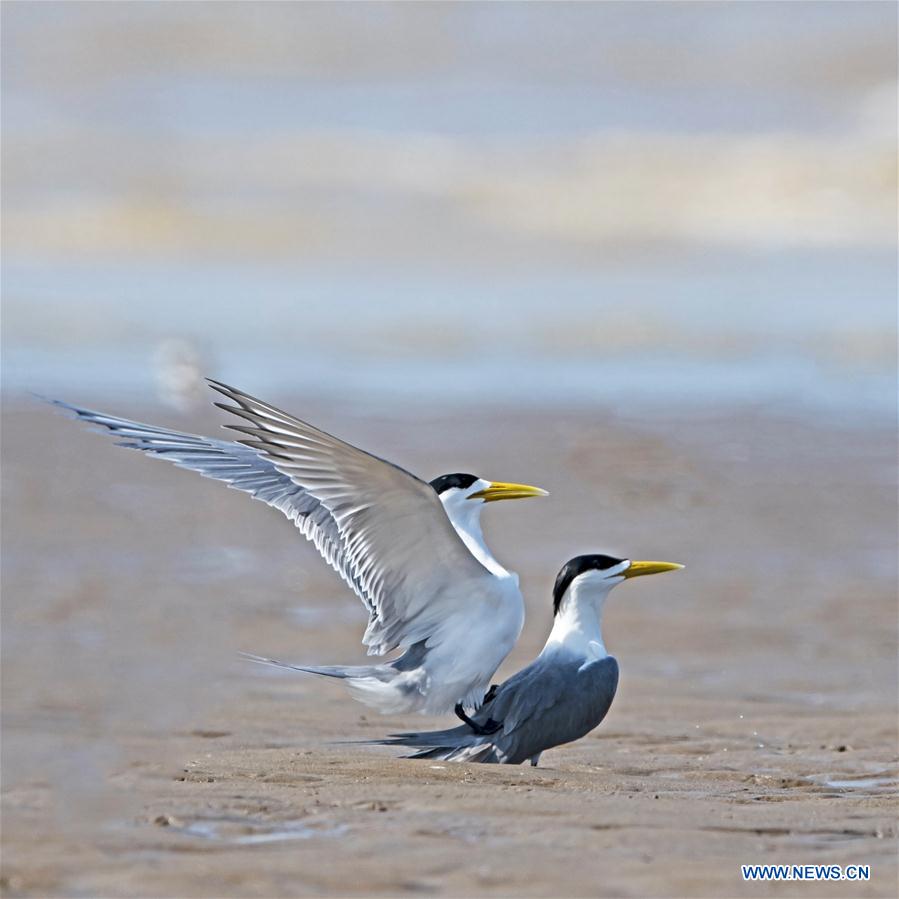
[535,759]
[482,730]
[490,726]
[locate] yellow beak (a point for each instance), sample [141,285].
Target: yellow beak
[638,569]
[499,490]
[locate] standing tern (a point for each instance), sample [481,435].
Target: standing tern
[563,694]
[413,552]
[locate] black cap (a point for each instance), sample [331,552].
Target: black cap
[578,565]
[447,481]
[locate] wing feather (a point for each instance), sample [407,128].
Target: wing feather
[239,466]
[396,545]
[381,528]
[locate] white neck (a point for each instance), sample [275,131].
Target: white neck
[465,516]
[577,627]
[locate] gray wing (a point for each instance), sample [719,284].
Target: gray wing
[397,547]
[236,465]
[552,701]
[549,703]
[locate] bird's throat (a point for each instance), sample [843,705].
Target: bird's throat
[577,627]
[469,529]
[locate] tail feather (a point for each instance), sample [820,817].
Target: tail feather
[457,744]
[450,737]
[382,686]
[485,753]
[379,672]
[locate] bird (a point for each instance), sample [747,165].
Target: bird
[562,695]
[412,551]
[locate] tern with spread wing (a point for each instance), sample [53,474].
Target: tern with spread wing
[563,694]
[412,551]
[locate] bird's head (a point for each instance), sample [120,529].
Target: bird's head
[469,490]
[596,574]
[463,495]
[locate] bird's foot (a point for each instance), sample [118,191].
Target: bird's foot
[482,730]
[490,694]
[489,727]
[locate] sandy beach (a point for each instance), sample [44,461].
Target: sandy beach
[755,721]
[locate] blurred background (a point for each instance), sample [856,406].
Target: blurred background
[640,254]
[595,203]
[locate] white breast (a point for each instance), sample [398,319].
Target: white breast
[463,666]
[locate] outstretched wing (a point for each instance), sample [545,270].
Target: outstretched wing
[382,529]
[397,548]
[237,465]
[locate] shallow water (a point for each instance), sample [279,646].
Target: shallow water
[869,784]
[240,831]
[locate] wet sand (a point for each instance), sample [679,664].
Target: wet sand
[755,721]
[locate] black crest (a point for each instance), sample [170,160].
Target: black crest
[578,565]
[447,481]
